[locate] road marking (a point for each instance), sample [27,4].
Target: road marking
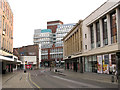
[33,82]
[76,82]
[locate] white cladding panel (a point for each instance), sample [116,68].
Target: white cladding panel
[28,59]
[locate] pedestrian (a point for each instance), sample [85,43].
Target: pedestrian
[116,74]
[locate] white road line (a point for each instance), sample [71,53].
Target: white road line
[76,82]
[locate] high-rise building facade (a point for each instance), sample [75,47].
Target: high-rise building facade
[61,31]
[43,37]
[52,50]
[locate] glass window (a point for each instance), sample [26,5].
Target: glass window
[105,33]
[98,34]
[92,36]
[113,59]
[113,27]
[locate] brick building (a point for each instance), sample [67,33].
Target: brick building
[29,55]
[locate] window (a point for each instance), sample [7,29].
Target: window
[85,35]
[1,4]
[98,34]
[0,21]
[0,41]
[92,36]
[3,43]
[86,47]
[113,59]
[113,27]
[105,33]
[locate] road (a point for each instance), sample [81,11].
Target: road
[46,79]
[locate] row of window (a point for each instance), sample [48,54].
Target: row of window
[44,51]
[7,45]
[44,57]
[6,29]
[113,30]
[56,50]
[6,9]
[54,56]
[66,26]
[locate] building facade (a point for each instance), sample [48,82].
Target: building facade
[43,37]
[7,58]
[29,55]
[101,44]
[73,47]
[61,31]
[100,40]
[51,43]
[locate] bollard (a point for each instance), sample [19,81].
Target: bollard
[112,78]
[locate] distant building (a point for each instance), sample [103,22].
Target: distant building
[73,47]
[29,55]
[50,40]
[61,31]
[43,37]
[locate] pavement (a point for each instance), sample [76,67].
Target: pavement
[86,75]
[17,79]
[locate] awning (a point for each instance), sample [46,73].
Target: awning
[2,58]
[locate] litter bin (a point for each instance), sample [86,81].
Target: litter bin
[55,70]
[112,78]
[24,71]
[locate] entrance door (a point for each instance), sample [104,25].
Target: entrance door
[67,65]
[75,66]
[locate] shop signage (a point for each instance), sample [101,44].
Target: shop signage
[30,62]
[99,60]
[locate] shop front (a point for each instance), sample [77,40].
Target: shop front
[105,63]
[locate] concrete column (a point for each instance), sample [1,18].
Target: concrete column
[118,24]
[109,29]
[101,33]
[16,66]
[81,65]
[94,29]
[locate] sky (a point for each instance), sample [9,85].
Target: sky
[34,14]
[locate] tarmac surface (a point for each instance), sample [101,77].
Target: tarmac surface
[44,78]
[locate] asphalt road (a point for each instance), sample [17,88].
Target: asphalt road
[46,79]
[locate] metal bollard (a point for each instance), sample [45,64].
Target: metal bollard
[112,78]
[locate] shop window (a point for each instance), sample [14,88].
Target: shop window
[113,59]
[113,27]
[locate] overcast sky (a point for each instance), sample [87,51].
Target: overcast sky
[34,14]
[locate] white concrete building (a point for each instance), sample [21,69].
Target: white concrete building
[61,31]
[101,38]
[43,37]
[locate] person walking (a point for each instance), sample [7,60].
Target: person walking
[116,74]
